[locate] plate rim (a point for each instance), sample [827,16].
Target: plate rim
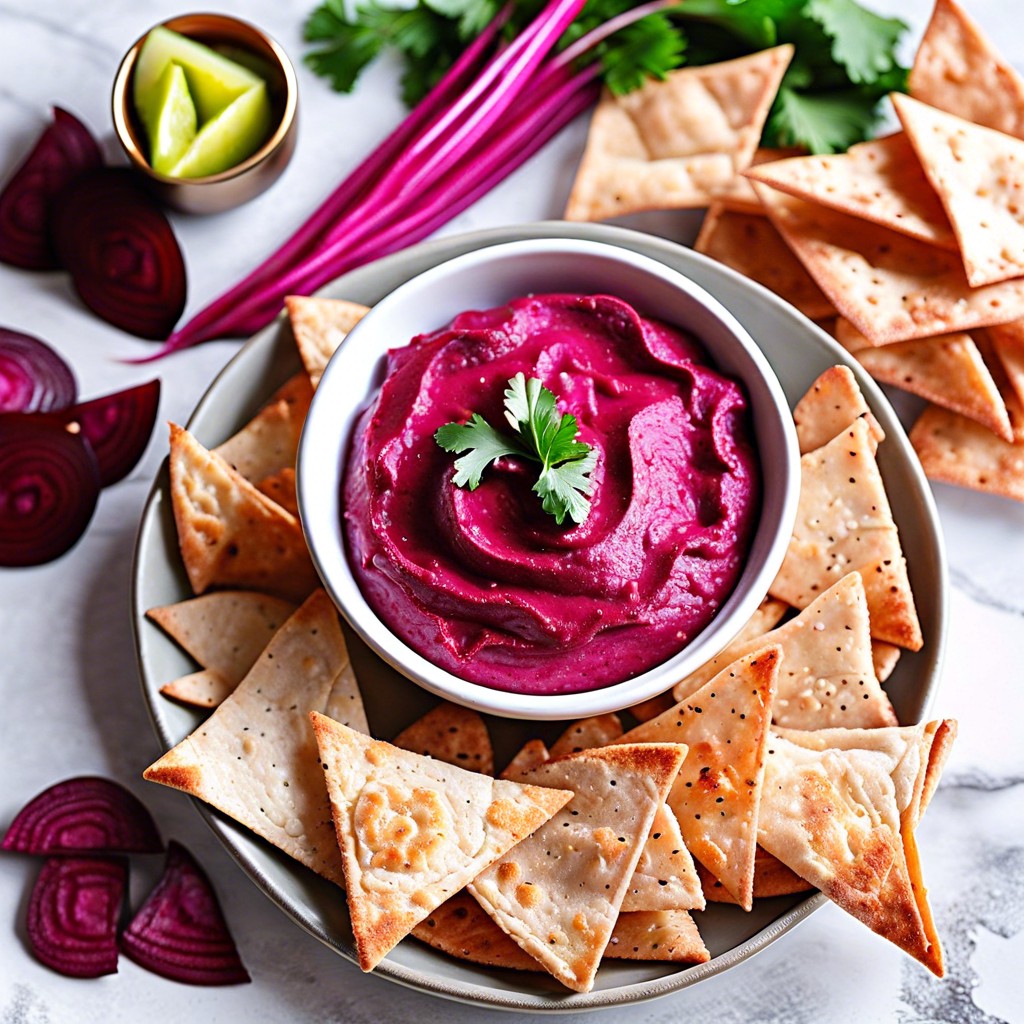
[436,251]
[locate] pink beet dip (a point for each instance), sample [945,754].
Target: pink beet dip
[484,583]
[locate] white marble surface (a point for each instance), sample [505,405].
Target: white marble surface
[70,696]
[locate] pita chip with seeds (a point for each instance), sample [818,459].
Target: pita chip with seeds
[827,676]
[976,172]
[255,757]
[880,181]
[670,935]
[267,443]
[1007,345]
[957,69]
[558,893]
[771,878]
[891,287]
[533,753]
[739,195]
[830,405]
[675,143]
[716,795]
[959,451]
[750,244]
[225,632]
[230,534]
[597,731]
[453,734]
[844,523]
[319,327]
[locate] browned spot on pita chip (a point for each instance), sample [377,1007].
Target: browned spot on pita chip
[533,753]
[771,878]
[673,144]
[453,734]
[830,405]
[230,534]
[320,326]
[586,733]
[652,707]
[280,488]
[884,658]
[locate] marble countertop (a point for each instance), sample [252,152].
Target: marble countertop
[71,702]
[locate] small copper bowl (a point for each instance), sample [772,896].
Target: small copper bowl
[240,183]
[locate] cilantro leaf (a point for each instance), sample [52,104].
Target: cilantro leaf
[823,122]
[649,48]
[863,42]
[543,436]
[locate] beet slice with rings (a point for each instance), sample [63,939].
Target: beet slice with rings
[65,150]
[49,486]
[73,912]
[118,427]
[33,376]
[85,814]
[180,932]
[121,252]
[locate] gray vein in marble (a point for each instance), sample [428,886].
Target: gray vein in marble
[93,49]
[974,778]
[25,1007]
[1000,910]
[974,590]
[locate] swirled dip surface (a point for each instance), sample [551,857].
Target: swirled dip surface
[484,583]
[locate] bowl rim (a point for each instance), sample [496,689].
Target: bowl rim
[319,495]
[119,99]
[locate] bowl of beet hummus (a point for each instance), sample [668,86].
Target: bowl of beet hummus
[479,593]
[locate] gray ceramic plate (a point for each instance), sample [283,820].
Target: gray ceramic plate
[798,351]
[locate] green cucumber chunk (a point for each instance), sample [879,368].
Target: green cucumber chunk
[172,124]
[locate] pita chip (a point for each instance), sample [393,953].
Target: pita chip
[296,390]
[675,143]
[890,286]
[413,830]
[225,632]
[844,523]
[880,181]
[750,244]
[558,893]
[884,658]
[739,195]
[957,69]
[771,878]
[255,757]
[830,405]
[652,707]
[280,489]
[267,443]
[1007,344]
[959,451]
[598,731]
[716,795]
[977,174]
[453,734]
[948,369]
[657,935]
[319,327]
[230,534]
[533,753]
[665,877]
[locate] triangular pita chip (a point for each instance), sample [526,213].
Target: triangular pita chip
[225,632]
[657,935]
[739,195]
[296,390]
[413,831]
[827,677]
[598,731]
[255,758]
[230,534]
[959,70]
[948,370]
[716,796]
[749,243]
[976,172]
[280,488]
[879,180]
[891,287]
[843,523]
[830,405]
[674,143]
[771,878]
[453,734]
[1007,343]
[320,326]
[959,451]
[558,893]
[533,753]
[884,657]
[267,443]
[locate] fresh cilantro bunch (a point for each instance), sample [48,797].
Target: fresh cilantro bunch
[845,60]
[540,435]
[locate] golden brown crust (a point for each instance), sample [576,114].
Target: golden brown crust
[453,734]
[597,731]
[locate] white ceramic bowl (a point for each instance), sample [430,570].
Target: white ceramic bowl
[486,278]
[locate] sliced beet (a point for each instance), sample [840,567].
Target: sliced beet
[64,150]
[33,377]
[49,485]
[121,253]
[73,913]
[180,931]
[86,814]
[118,427]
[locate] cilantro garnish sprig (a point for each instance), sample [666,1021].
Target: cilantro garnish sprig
[541,435]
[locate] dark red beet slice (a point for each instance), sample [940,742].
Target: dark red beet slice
[33,377]
[49,485]
[118,427]
[73,913]
[121,253]
[63,151]
[180,931]
[86,814]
